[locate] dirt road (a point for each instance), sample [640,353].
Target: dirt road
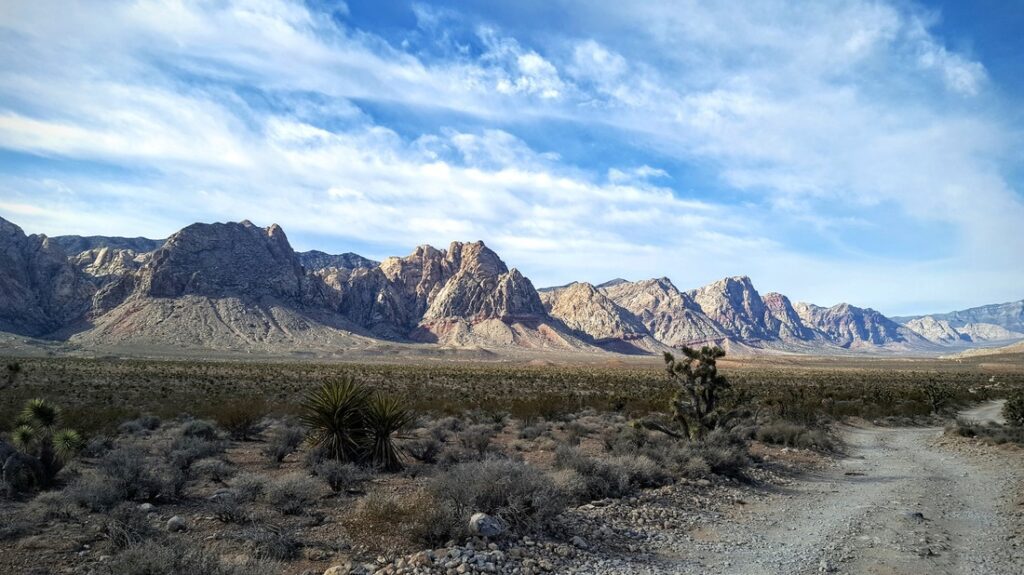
[899,504]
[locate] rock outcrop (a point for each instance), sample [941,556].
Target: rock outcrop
[670,316]
[40,291]
[316,260]
[584,309]
[735,306]
[78,244]
[218,260]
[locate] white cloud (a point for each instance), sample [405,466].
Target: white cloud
[809,110]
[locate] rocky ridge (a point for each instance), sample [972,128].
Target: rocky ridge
[240,286]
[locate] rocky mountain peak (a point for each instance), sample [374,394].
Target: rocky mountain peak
[475,258]
[225,260]
[585,309]
[735,305]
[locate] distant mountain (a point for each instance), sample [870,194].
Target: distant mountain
[987,323]
[317,260]
[238,286]
[852,327]
[78,244]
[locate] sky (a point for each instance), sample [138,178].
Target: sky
[836,151]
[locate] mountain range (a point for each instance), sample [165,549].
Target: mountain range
[240,287]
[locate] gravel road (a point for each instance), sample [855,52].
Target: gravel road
[900,503]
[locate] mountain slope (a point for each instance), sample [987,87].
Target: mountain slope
[989,323]
[40,291]
[78,244]
[317,260]
[852,327]
[670,316]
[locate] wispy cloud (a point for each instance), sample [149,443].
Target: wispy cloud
[809,125]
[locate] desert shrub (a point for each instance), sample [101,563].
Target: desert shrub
[477,438]
[445,426]
[424,450]
[793,435]
[989,433]
[123,474]
[531,432]
[139,425]
[199,428]
[175,558]
[226,506]
[1013,409]
[126,526]
[187,449]
[271,542]
[602,477]
[95,492]
[283,442]
[338,475]
[518,494]
[51,505]
[241,418]
[571,484]
[97,446]
[725,454]
[720,452]
[390,522]
[213,469]
[292,494]
[248,487]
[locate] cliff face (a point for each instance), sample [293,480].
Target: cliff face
[40,291]
[670,316]
[236,260]
[584,309]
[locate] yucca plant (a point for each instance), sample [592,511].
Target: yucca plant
[336,416]
[43,448]
[354,426]
[385,416]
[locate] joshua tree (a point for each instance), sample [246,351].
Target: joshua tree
[355,426]
[1013,409]
[938,395]
[42,446]
[695,406]
[12,371]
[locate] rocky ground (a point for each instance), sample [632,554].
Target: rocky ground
[901,501]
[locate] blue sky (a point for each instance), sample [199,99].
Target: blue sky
[842,150]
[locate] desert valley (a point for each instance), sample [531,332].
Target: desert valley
[533,287]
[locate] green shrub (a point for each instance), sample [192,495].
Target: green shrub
[793,435]
[241,418]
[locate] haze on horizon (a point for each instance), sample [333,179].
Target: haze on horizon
[844,150]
